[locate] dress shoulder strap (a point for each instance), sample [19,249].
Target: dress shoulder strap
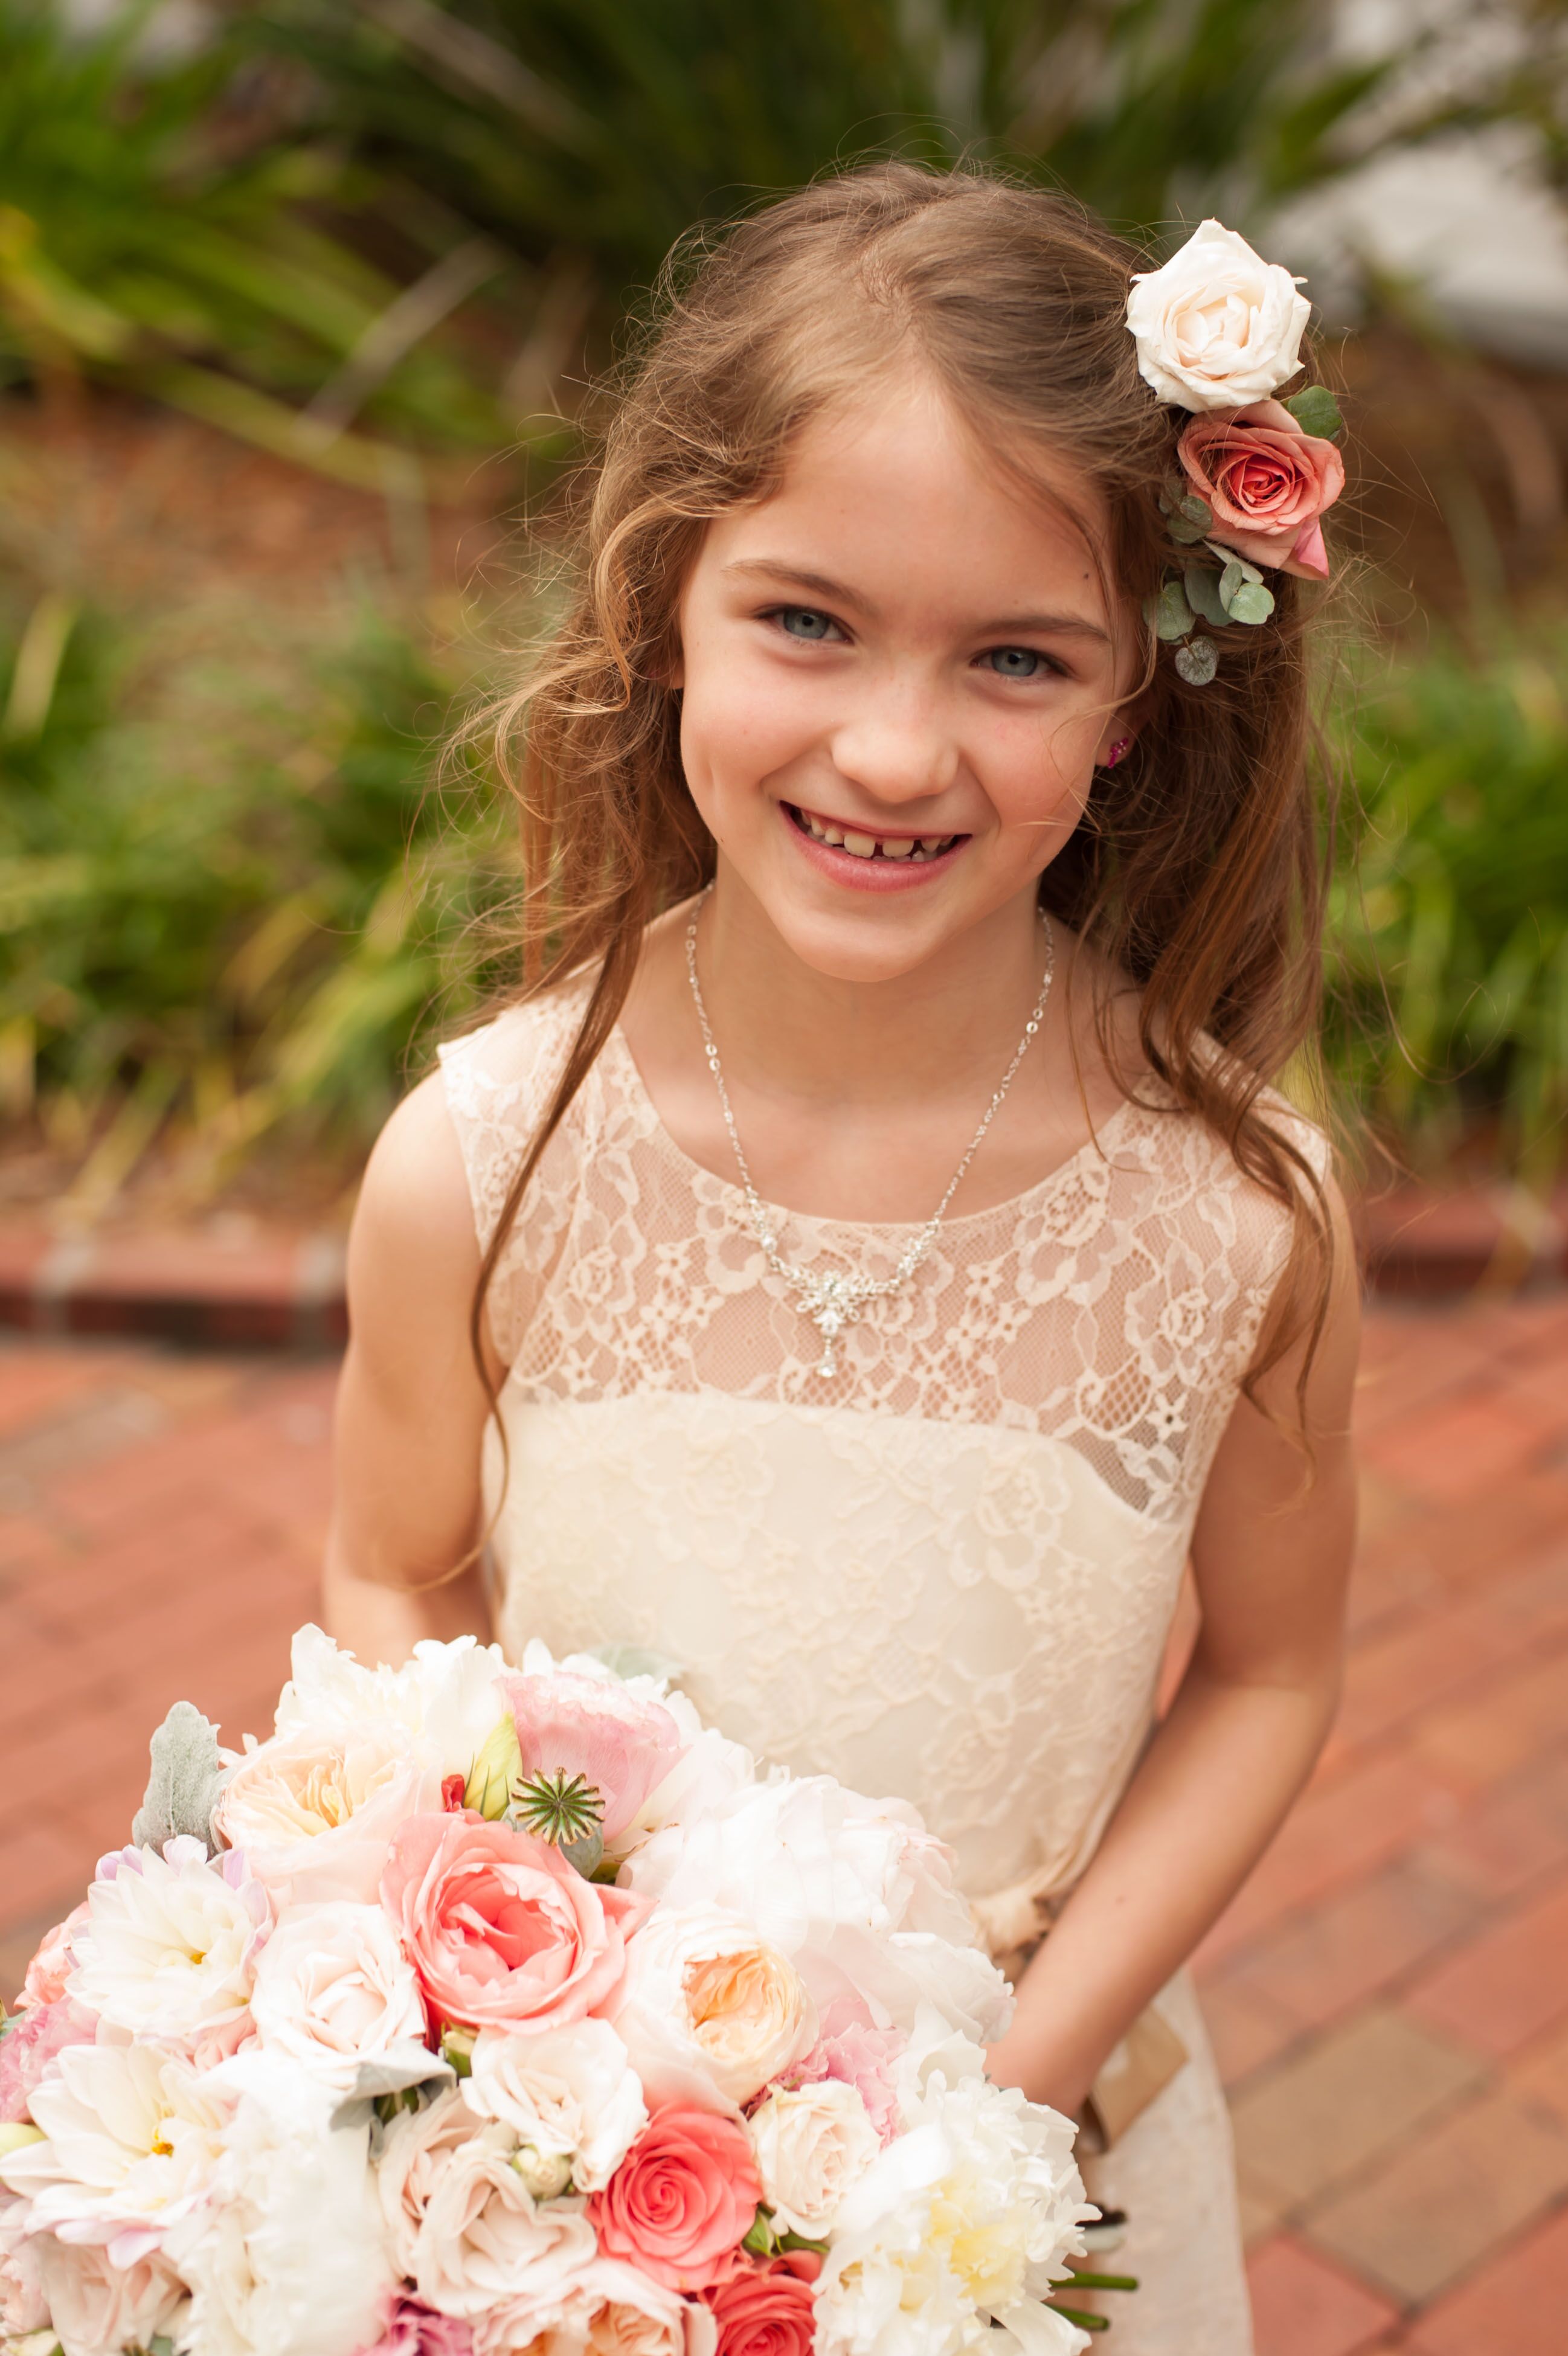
[498,1081]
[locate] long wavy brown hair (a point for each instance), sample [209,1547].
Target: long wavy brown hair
[1198,869]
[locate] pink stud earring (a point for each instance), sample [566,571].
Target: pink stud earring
[1122,746]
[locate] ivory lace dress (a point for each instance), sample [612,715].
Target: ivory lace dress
[946,1574]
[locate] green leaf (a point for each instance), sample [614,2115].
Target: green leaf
[1168,615]
[1197,510]
[1251,602]
[759,2238]
[1202,584]
[1186,527]
[1198,661]
[1236,573]
[1316,412]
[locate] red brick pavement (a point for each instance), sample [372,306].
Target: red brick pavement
[1389,1995]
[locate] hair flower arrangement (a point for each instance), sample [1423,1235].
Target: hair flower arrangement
[1219,331]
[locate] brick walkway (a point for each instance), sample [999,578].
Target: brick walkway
[1390,1994]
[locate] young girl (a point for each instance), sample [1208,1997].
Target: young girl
[891,1267]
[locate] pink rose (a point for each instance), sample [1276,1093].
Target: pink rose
[595,1728]
[767,2311]
[56,1958]
[500,1929]
[414,2329]
[1267,482]
[857,2055]
[40,2032]
[681,2200]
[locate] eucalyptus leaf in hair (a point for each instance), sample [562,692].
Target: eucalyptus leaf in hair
[1201,582]
[1168,615]
[1198,661]
[1316,412]
[1251,602]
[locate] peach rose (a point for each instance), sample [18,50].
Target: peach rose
[680,2200]
[1267,482]
[738,2006]
[767,2311]
[500,1929]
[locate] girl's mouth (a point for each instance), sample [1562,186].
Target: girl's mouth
[915,852]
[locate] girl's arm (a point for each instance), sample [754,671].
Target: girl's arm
[1270,1555]
[411,1407]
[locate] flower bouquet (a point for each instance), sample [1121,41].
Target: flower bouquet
[477,2011]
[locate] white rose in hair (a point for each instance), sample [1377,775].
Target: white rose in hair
[170,1943]
[568,2094]
[1219,326]
[813,2143]
[334,1988]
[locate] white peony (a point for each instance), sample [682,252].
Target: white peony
[95,2307]
[333,1989]
[289,2256]
[1219,326]
[703,1992]
[812,2143]
[885,2289]
[568,2094]
[437,1708]
[131,2138]
[170,1943]
[854,1890]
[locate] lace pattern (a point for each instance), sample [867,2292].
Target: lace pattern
[1114,1307]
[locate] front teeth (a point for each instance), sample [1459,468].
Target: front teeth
[869,846]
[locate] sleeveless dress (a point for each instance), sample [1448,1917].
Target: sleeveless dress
[946,1574]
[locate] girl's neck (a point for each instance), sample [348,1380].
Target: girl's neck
[788,1030]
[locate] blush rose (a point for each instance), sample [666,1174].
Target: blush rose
[681,2198]
[502,1931]
[1267,482]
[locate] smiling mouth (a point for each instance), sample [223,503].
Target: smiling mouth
[907,849]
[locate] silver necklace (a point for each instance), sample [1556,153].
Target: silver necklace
[833,1302]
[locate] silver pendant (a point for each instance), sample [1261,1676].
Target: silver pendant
[831,1302]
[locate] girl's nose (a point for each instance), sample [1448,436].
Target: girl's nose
[895,748]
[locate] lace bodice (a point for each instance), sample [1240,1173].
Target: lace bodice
[947,1571]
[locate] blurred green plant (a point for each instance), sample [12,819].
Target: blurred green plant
[1448,938]
[587,134]
[161,227]
[230,903]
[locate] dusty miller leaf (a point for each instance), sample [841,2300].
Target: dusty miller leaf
[184,1784]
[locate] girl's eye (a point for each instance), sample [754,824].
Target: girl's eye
[1015,662]
[804,622]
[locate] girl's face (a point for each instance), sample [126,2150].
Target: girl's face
[897,675]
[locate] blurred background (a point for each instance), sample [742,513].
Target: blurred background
[299,304]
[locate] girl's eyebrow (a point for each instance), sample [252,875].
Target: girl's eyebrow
[838,593]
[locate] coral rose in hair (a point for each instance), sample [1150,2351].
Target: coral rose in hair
[681,2199]
[502,1931]
[1268,482]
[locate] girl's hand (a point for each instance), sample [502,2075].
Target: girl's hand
[411,1406]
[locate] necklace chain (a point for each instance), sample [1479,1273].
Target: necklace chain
[830,1300]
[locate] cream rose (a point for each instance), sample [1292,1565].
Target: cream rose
[568,2094]
[740,2009]
[418,2149]
[1218,327]
[314,1814]
[333,1988]
[95,2306]
[812,2145]
[485,2243]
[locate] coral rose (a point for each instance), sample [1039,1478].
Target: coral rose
[681,2198]
[1267,482]
[767,2311]
[500,1929]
